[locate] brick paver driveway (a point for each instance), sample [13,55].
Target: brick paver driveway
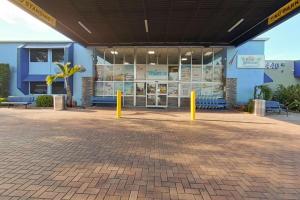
[146,155]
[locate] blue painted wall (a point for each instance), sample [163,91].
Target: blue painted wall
[8,54]
[247,79]
[82,56]
[297,69]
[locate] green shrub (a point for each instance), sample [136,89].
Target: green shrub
[289,96]
[250,106]
[4,80]
[44,101]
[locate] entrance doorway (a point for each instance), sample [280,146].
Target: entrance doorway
[157,94]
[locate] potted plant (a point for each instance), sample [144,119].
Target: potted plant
[66,71]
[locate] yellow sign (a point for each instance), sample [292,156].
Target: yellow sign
[35,10]
[283,11]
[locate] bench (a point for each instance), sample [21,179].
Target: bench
[105,100]
[275,106]
[18,100]
[211,103]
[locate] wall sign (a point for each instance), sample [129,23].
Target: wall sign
[251,61]
[35,10]
[283,11]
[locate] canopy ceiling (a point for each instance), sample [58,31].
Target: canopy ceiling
[170,22]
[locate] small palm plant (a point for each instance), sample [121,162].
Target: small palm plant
[66,71]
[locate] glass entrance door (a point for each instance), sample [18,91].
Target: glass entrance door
[157,94]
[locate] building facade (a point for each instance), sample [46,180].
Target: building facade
[147,76]
[282,72]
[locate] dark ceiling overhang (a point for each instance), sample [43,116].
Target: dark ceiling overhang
[170,22]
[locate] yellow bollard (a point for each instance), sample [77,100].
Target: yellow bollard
[193,105]
[119,104]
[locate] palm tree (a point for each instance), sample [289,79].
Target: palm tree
[66,71]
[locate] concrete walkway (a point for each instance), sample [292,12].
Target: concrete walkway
[148,154]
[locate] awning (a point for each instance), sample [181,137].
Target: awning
[47,46]
[267,79]
[38,78]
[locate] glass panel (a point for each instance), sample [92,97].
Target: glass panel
[151,100]
[104,72]
[173,89]
[197,88]
[185,72]
[38,88]
[186,56]
[58,88]
[128,88]
[100,55]
[124,55]
[185,89]
[99,89]
[119,72]
[197,73]
[58,55]
[206,89]
[141,54]
[219,61]
[118,86]
[140,88]
[173,55]
[151,88]
[108,88]
[162,88]
[162,100]
[157,72]
[128,101]
[207,56]
[157,56]
[173,73]
[109,55]
[218,73]
[173,101]
[141,101]
[38,55]
[129,72]
[208,73]
[218,90]
[141,72]
[197,56]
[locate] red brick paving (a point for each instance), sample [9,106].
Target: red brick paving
[87,154]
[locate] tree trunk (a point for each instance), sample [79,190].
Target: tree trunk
[69,93]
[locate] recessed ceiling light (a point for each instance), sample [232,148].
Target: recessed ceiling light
[114,52]
[126,63]
[151,52]
[208,53]
[152,63]
[184,59]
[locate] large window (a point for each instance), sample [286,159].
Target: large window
[38,88]
[58,88]
[131,69]
[38,55]
[58,55]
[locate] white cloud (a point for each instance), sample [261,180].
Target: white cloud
[13,15]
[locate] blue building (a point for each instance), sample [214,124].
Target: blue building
[151,76]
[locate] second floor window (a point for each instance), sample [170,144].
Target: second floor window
[38,55]
[58,55]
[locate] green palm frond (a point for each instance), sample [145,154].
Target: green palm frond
[60,66]
[51,78]
[75,69]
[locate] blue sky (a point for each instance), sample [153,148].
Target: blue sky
[15,25]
